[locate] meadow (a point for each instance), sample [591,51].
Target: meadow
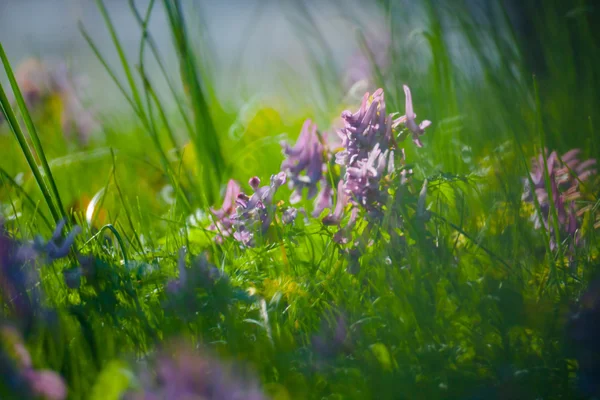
[424,226]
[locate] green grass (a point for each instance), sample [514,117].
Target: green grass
[467,304]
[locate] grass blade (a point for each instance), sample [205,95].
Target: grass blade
[32,131]
[13,123]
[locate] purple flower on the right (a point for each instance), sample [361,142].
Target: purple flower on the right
[566,175]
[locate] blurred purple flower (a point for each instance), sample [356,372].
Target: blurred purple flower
[304,163]
[323,199]
[45,384]
[18,267]
[338,213]
[289,215]
[39,80]
[57,248]
[200,274]
[182,373]
[565,174]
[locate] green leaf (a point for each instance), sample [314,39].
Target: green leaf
[112,382]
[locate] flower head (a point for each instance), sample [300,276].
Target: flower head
[222,223]
[304,163]
[409,120]
[565,176]
[255,213]
[181,372]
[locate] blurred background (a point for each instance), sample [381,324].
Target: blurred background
[253,46]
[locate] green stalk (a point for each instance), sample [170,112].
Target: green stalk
[11,118]
[122,57]
[32,131]
[546,175]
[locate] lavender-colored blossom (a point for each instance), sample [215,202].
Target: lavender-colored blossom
[18,263]
[304,163]
[223,223]
[368,155]
[362,130]
[409,120]
[323,199]
[201,274]
[42,383]
[565,175]
[338,213]
[363,181]
[182,373]
[46,384]
[54,249]
[39,80]
[289,215]
[255,213]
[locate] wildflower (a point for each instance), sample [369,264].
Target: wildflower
[183,373]
[223,223]
[43,383]
[306,156]
[364,129]
[53,249]
[409,119]
[289,215]
[341,202]
[201,274]
[362,181]
[565,175]
[255,213]
[17,266]
[323,199]
[40,80]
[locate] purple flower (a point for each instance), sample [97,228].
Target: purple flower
[54,249]
[223,224]
[255,213]
[364,129]
[289,215]
[409,119]
[565,175]
[323,199]
[39,80]
[304,163]
[181,372]
[201,274]
[18,262]
[338,213]
[43,383]
[363,181]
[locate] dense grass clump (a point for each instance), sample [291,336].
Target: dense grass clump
[162,257]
